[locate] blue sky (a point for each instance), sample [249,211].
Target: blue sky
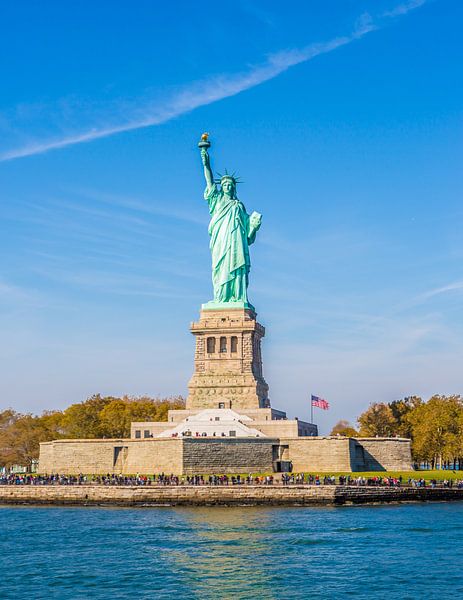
[344,121]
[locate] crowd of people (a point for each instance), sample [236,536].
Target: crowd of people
[113,479]
[164,479]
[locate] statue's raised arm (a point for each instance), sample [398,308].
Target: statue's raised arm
[204,144]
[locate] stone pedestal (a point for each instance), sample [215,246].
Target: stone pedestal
[228,361]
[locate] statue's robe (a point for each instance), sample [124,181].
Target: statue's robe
[230,239]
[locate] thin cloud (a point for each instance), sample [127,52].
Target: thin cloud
[14,293]
[403,9]
[214,89]
[8,290]
[16,297]
[451,287]
[137,205]
[114,283]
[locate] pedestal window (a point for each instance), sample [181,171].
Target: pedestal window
[211,345]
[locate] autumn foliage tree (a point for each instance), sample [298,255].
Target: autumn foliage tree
[344,428]
[378,420]
[116,416]
[435,427]
[98,416]
[20,435]
[82,420]
[437,430]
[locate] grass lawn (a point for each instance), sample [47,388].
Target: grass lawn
[426,475]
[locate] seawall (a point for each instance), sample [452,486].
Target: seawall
[95,495]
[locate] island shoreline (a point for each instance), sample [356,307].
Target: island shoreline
[246,495]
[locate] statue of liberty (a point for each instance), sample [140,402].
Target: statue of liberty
[232,231]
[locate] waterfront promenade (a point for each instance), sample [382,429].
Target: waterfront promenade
[155,494]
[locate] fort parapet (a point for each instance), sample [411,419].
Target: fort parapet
[190,456]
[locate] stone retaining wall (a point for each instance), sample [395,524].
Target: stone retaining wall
[376,454]
[317,454]
[102,456]
[240,455]
[88,495]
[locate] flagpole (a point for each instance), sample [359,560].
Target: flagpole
[311,410]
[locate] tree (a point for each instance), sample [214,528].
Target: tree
[117,415]
[436,428]
[378,420]
[7,418]
[21,434]
[82,420]
[401,410]
[20,440]
[344,428]
[115,419]
[149,409]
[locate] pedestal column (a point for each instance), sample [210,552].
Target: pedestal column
[228,363]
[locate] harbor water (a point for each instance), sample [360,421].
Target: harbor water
[395,551]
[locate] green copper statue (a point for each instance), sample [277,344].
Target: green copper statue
[232,231]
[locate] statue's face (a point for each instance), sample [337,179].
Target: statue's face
[228,187]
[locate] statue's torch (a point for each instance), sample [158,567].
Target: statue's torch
[204,143]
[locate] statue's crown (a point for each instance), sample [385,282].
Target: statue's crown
[230,176]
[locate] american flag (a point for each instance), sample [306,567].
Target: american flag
[320,403]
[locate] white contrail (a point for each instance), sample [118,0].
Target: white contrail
[213,89]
